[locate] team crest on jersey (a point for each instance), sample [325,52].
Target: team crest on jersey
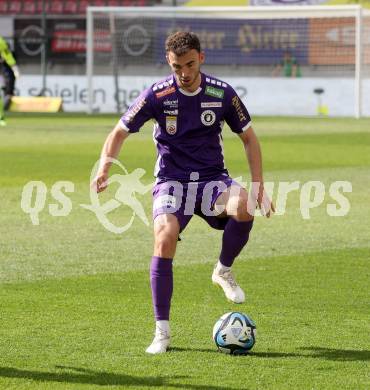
[171,124]
[208,118]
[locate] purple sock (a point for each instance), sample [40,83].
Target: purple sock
[161,280]
[236,235]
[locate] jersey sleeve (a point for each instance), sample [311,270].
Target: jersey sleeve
[139,112]
[236,114]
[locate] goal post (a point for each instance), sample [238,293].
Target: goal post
[326,49]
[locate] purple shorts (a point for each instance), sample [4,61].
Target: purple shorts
[186,199]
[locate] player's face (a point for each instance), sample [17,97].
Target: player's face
[187,68]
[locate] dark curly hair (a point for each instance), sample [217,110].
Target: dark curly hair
[181,42]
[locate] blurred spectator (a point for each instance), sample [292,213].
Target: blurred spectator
[287,67]
[9,71]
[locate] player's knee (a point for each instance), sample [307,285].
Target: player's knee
[165,239]
[243,213]
[239,209]
[165,244]
[243,216]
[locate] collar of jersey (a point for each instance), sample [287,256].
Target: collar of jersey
[186,93]
[190,93]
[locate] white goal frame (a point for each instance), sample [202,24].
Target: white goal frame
[295,12]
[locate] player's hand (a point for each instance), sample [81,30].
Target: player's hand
[264,203]
[100,183]
[15,71]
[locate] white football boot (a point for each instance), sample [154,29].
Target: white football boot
[226,280]
[161,339]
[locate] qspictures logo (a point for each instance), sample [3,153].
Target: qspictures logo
[310,195]
[34,195]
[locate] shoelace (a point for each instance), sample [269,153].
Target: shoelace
[230,278]
[161,334]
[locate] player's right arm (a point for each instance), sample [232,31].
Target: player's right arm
[131,122]
[110,151]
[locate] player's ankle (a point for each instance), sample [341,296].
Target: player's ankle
[162,327]
[220,268]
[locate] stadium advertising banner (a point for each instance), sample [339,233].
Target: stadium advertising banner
[246,42]
[133,40]
[364,3]
[332,41]
[66,41]
[327,41]
[290,97]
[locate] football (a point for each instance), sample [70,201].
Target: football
[234,333]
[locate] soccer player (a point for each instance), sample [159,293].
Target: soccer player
[189,109]
[10,72]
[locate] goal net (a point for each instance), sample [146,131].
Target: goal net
[305,60]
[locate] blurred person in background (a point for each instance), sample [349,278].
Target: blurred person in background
[287,67]
[9,72]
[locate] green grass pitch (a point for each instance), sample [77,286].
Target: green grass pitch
[75,299]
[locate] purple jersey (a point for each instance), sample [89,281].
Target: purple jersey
[187,129]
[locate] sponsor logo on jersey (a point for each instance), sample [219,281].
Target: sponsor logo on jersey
[208,118]
[171,124]
[238,108]
[171,112]
[215,92]
[130,115]
[171,103]
[211,104]
[165,92]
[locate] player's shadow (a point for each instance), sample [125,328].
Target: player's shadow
[274,355]
[179,349]
[318,353]
[307,352]
[338,354]
[252,353]
[86,376]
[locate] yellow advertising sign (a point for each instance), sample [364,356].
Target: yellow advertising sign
[364,3]
[35,104]
[210,3]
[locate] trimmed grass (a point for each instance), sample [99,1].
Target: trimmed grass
[312,325]
[76,307]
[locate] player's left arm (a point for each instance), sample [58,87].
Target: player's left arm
[239,121]
[254,157]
